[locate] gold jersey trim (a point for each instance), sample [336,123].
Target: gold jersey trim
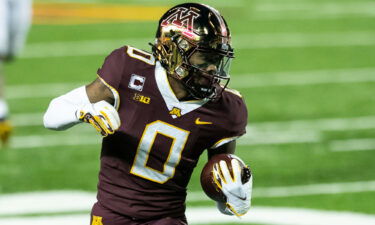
[114,92]
[223,141]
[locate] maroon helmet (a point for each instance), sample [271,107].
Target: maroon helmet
[190,28]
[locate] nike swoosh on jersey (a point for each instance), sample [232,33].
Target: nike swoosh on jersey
[199,122]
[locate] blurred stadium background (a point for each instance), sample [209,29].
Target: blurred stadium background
[305,67]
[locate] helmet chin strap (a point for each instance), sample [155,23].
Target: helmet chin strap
[197,90]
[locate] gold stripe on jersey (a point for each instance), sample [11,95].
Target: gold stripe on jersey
[223,141]
[233,91]
[114,92]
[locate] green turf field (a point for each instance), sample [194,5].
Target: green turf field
[305,68]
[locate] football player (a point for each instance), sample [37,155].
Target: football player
[15,17]
[158,112]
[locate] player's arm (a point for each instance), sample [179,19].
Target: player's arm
[238,194]
[228,148]
[94,104]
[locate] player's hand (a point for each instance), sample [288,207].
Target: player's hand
[238,195]
[101,115]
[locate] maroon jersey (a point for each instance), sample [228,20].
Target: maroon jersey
[146,165]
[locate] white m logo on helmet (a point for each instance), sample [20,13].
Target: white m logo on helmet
[181,17]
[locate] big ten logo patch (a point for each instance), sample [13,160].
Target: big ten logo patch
[140,98]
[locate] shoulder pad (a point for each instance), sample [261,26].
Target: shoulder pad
[233,91]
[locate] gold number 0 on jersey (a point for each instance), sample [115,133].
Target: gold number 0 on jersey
[141,55]
[179,137]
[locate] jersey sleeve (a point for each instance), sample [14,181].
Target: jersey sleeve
[113,68]
[239,118]
[234,126]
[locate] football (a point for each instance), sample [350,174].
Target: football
[207,178]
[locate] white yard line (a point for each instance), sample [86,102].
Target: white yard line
[47,202]
[40,90]
[255,80]
[90,138]
[41,141]
[298,39]
[79,48]
[325,7]
[210,215]
[27,119]
[63,201]
[301,131]
[71,201]
[321,124]
[353,145]
[315,189]
[87,136]
[301,190]
[242,41]
[297,131]
[282,16]
[302,78]
[295,10]
[280,216]
[255,137]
